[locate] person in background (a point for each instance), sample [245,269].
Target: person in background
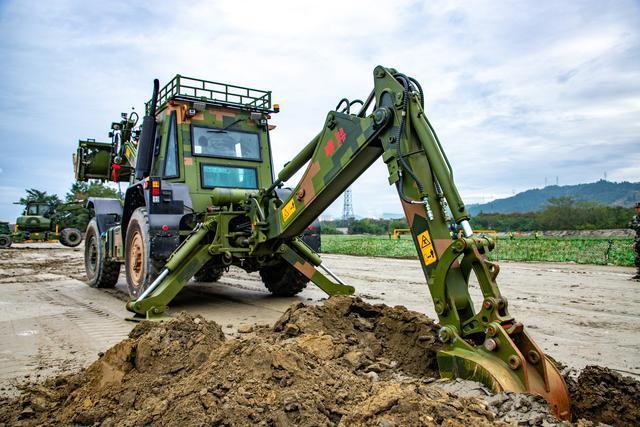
[635,226]
[453,230]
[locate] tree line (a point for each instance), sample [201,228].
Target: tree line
[560,213]
[363,226]
[79,192]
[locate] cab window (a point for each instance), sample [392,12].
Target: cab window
[225,143]
[38,210]
[171,154]
[228,176]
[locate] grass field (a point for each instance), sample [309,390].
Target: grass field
[615,251]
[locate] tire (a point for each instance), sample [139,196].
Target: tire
[139,267]
[5,241]
[101,273]
[209,273]
[70,237]
[283,280]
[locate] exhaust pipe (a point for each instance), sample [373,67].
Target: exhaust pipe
[147,137]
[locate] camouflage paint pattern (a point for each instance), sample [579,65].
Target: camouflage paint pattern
[398,131]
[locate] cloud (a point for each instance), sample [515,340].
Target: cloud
[516,92]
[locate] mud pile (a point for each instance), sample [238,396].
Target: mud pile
[602,395]
[343,363]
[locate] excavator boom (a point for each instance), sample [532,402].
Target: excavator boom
[483,342]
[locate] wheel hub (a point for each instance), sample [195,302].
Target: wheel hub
[93,255]
[136,258]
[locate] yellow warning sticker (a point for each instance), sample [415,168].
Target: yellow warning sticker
[426,248]
[288,210]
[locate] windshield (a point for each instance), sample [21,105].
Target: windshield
[225,143]
[37,209]
[228,176]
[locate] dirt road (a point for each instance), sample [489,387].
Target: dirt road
[51,322]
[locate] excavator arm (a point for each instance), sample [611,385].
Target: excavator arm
[482,342]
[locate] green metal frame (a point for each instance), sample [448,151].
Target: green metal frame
[192,89]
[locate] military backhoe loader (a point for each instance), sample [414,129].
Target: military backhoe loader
[203,197]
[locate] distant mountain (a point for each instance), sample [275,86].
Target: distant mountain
[610,193]
[392,215]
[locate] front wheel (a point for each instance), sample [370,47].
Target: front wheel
[70,237]
[283,280]
[101,273]
[5,241]
[140,269]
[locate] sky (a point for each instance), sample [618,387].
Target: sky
[517,91]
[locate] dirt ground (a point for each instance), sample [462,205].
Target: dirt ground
[580,314]
[53,323]
[344,362]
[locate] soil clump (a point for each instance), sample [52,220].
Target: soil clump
[602,395]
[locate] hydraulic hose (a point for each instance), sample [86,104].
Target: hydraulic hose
[354,102]
[414,81]
[133,113]
[347,107]
[367,102]
[405,102]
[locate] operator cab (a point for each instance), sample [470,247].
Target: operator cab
[212,135]
[37,209]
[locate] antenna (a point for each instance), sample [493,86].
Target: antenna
[347,208]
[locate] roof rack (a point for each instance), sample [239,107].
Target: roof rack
[214,93]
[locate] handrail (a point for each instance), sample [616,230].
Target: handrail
[193,89]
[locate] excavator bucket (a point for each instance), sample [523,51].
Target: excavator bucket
[541,378]
[495,349]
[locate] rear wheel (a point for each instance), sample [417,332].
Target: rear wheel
[70,237]
[101,273]
[5,241]
[140,268]
[209,273]
[283,280]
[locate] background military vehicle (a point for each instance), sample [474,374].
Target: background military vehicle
[42,222]
[5,234]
